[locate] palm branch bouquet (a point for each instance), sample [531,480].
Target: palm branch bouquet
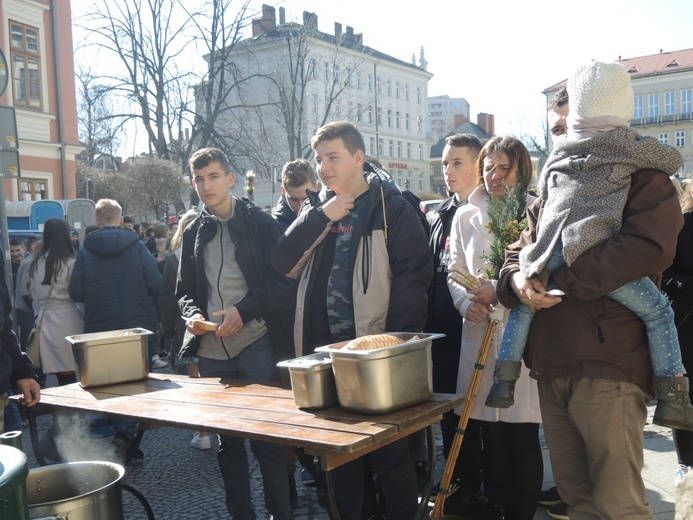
[506,221]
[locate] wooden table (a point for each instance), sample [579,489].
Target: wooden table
[252,411]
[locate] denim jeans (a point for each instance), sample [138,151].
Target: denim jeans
[257,362]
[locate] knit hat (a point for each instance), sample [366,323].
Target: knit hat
[600,89]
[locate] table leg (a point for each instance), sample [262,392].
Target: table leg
[332,511]
[33,433]
[426,494]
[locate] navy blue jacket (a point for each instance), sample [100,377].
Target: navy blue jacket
[116,277]
[14,364]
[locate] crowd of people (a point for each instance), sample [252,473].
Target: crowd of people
[346,253]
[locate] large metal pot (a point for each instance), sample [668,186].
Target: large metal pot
[76,490]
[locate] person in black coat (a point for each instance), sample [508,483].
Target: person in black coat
[677,283]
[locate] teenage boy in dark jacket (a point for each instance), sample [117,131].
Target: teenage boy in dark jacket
[225,276]
[459,170]
[364,267]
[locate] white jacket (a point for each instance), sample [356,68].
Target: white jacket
[470,239]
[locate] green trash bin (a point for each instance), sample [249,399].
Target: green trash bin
[14,470]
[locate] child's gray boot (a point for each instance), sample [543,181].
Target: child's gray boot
[674,408]
[502,393]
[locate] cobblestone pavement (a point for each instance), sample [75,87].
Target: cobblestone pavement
[180,482]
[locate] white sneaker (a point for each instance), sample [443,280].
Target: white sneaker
[681,473]
[201,443]
[159,363]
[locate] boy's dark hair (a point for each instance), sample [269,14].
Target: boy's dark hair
[90,229]
[206,156]
[16,241]
[127,219]
[297,173]
[348,133]
[559,99]
[469,141]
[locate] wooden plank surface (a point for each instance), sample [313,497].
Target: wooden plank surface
[248,410]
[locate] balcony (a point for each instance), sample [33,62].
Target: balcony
[659,120]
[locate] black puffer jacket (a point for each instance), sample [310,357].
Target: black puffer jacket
[391,263]
[270,296]
[283,214]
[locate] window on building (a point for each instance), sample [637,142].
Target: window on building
[399,148]
[377,84]
[369,81]
[311,68]
[391,148]
[419,125]
[313,102]
[326,70]
[653,105]
[371,146]
[669,103]
[637,107]
[347,76]
[408,150]
[357,79]
[397,120]
[380,147]
[418,94]
[349,114]
[421,188]
[389,118]
[406,121]
[680,139]
[379,117]
[337,110]
[388,88]
[664,137]
[359,112]
[335,73]
[26,66]
[397,89]
[32,189]
[686,100]
[370,115]
[421,155]
[406,91]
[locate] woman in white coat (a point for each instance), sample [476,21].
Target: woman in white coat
[57,313]
[512,461]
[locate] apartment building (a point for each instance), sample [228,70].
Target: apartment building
[663,90]
[444,113]
[338,78]
[36,40]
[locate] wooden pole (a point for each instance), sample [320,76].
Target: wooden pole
[439,508]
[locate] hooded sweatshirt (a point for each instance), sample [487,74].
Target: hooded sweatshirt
[116,277]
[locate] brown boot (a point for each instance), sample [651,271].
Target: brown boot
[674,408]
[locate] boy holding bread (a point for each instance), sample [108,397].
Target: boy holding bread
[364,266]
[238,312]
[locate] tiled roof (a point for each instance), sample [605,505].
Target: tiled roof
[465,128]
[651,65]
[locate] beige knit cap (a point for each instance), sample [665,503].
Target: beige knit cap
[600,89]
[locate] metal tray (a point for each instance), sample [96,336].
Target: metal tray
[386,379]
[111,357]
[312,380]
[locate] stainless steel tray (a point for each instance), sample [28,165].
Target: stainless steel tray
[105,358]
[383,380]
[312,380]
